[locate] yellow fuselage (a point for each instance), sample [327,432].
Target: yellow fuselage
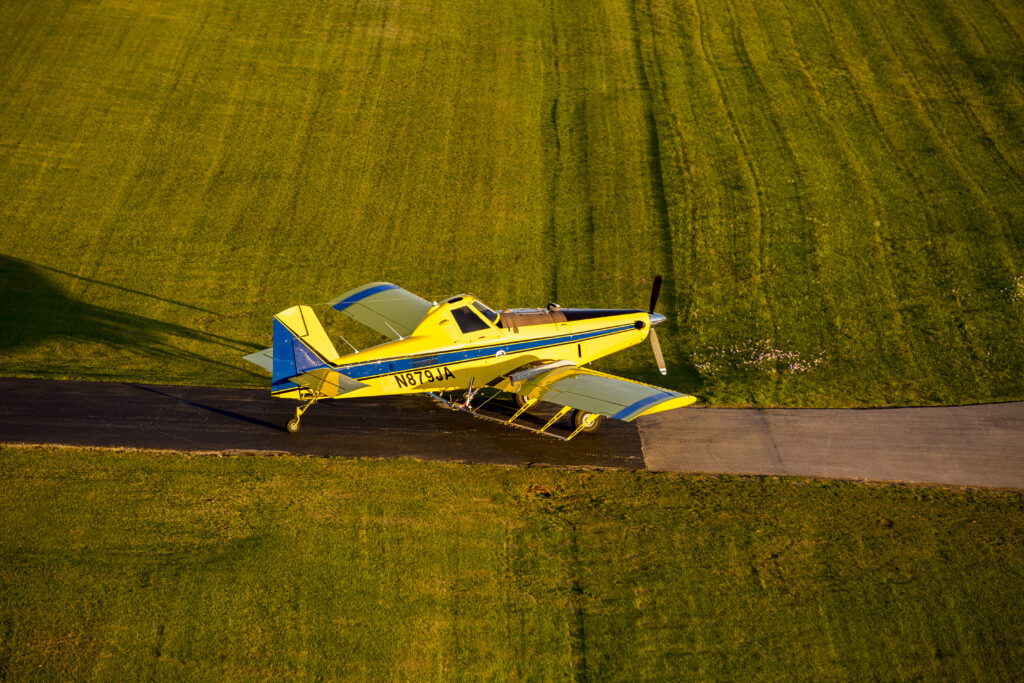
[439,356]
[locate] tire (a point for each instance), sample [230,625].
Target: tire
[293,425]
[520,401]
[581,418]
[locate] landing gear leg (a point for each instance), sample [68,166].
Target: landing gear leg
[293,424]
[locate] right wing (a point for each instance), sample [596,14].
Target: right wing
[596,392]
[384,307]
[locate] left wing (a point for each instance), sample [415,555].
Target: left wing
[596,392]
[384,307]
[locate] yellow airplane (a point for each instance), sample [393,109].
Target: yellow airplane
[461,345]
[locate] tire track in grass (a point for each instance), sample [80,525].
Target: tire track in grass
[916,95]
[859,167]
[950,87]
[655,171]
[757,85]
[513,632]
[571,220]
[787,131]
[951,84]
[946,144]
[553,155]
[578,638]
[942,282]
[1011,124]
[752,174]
[772,273]
[1001,17]
[695,204]
[732,200]
[960,319]
[890,151]
[686,205]
[853,165]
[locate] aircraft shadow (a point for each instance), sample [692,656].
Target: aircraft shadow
[35,309]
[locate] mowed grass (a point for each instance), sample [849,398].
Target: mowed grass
[161,565]
[833,189]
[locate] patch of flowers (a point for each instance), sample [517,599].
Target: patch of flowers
[757,354]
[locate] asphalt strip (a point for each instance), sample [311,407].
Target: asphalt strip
[981,445]
[978,445]
[105,414]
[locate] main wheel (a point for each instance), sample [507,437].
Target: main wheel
[520,401]
[293,425]
[589,421]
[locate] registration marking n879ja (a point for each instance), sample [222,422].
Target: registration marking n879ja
[417,377]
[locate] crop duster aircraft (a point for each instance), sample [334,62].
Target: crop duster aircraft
[460,345]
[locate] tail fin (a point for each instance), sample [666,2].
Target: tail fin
[300,345]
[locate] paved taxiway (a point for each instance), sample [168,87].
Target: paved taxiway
[980,445]
[203,419]
[969,445]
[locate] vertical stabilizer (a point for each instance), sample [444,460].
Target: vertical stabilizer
[300,345]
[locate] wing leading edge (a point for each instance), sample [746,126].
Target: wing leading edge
[596,392]
[384,308]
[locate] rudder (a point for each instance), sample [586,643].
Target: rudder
[300,345]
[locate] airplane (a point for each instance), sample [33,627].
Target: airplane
[460,346]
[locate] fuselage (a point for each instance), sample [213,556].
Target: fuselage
[461,342]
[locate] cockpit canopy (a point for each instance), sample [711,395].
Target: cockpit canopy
[473,316]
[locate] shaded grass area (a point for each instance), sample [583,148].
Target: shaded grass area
[831,188]
[146,565]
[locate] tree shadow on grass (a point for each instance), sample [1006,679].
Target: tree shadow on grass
[34,310]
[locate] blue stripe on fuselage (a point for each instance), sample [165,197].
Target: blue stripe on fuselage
[376,369]
[359,296]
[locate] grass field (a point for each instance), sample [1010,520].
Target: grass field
[157,566]
[833,189]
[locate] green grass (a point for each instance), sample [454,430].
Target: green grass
[831,188]
[119,565]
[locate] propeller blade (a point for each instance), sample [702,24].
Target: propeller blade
[658,358]
[655,291]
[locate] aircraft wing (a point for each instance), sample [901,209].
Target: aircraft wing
[596,392]
[384,307]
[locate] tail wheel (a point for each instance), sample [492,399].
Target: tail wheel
[588,421]
[293,426]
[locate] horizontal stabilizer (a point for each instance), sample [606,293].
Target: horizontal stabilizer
[327,383]
[264,359]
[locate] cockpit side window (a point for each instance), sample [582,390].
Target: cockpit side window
[467,320]
[486,312]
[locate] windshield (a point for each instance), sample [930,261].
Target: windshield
[467,320]
[486,312]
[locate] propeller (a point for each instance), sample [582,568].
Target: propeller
[655,344]
[655,292]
